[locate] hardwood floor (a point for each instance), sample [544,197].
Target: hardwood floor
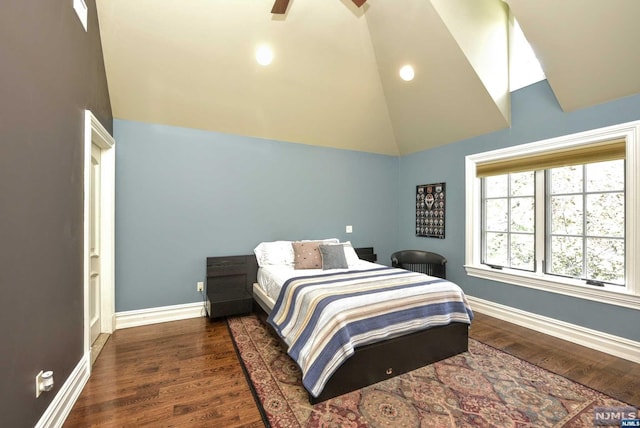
[603,372]
[176,374]
[186,374]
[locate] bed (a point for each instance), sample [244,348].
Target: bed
[352,323]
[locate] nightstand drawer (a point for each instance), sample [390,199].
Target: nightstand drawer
[226,265]
[223,308]
[227,285]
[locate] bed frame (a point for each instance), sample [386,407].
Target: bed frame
[383,360]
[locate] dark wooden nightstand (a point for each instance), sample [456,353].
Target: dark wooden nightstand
[229,284]
[366,253]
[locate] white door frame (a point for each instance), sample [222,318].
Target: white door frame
[95,133]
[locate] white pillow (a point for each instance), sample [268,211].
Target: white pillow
[274,253]
[281,252]
[323,241]
[350,254]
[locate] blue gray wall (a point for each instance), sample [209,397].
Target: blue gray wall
[185,194]
[536,115]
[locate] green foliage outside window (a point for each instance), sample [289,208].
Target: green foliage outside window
[584,225]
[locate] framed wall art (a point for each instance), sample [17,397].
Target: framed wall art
[430,209]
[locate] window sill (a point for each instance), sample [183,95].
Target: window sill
[565,286]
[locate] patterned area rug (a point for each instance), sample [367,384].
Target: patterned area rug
[484,387]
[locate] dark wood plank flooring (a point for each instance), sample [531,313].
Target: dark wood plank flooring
[175,374]
[186,374]
[603,372]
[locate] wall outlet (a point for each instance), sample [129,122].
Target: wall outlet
[200,286]
[44,382]
[349,229]
[38,383]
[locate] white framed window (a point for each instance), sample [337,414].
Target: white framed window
[559,215]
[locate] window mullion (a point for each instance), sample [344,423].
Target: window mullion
[541,200]
[585,273]
[508,221]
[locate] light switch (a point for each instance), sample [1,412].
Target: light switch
[349,229]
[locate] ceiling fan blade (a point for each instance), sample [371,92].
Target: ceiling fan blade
[280,7]
[359,2]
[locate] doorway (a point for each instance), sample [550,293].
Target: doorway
[99,217]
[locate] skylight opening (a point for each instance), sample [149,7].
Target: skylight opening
[524,67]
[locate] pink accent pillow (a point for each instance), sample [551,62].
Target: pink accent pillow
[307,255]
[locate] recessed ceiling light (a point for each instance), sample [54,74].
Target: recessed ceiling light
[264,55]
[407,73]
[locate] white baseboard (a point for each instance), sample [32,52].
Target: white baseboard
[603,342]
[61,406]
[160,314]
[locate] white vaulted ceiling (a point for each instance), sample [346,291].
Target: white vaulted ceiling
[334,78]
[589,49]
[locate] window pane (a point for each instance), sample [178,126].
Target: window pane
[605,214]
[496,215]
[566,180]
[523,183]
[566,215]
[496,186]
[496,249]
[522,251]
[605,176]
[595,216]
[566,256]
[522,215]
[512,213]
[605,260]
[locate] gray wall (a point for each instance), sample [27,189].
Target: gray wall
[536,115]
[184,194]
[50,71]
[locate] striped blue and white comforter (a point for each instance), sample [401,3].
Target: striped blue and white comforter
[322,318]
